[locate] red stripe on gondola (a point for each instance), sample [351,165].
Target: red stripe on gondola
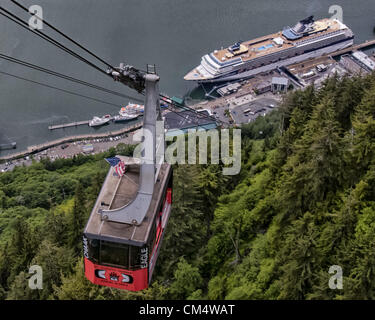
[169,195]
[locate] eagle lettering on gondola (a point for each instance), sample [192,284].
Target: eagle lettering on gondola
[144,257]
[85,248]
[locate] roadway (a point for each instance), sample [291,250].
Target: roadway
[69,150]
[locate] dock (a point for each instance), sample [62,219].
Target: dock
[37,148]
[7,146]
[363,45]
[70,124]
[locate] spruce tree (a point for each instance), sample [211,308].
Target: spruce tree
[78,219]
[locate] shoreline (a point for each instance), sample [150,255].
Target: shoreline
[50,144]
[215,104]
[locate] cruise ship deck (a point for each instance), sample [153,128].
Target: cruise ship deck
[266,45]
[274,46]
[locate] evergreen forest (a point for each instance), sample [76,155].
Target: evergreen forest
[304,201]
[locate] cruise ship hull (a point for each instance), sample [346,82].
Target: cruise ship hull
[308,39]
[273,66]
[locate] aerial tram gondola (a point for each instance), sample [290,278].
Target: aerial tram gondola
[123,235]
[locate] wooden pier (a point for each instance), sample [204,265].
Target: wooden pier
[73,124]
[6,146]
[67,125]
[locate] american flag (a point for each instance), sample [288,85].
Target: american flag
[113,161]
[120,168]
[118,164]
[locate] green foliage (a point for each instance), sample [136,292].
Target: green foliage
[42,212]
[262,127]
[123,149]
[20,290]
[185,231]
[187,280]
[55,262]
[78,216]
[303,202]
[77,287]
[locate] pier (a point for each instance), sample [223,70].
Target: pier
[38,148]
[6,146]
[363,45]
[67,125]
[72,124]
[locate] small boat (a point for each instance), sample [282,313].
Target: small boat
[131,109]
[10,145]
[125,118]
[96,121]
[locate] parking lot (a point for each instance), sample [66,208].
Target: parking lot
[250,111]
[220,114]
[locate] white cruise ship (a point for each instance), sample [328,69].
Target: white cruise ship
[307,39]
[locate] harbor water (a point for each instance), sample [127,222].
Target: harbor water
[172,34]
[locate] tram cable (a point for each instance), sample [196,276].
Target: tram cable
[180,115]
[62,76]
[63,34]
[107,64]
[64,48]
[39,33]
[59,89]
[186,108]
[29,65]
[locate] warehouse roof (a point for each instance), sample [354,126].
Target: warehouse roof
[187,119]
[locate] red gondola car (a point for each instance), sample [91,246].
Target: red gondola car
[122,255]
